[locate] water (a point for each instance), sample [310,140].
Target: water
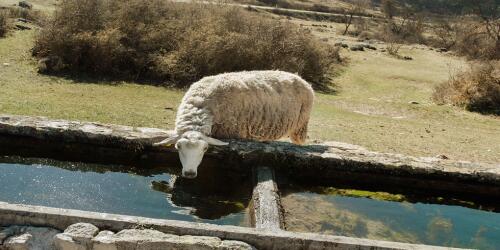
[412,222]
[116,189]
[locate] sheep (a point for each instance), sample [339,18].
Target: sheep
[256,105]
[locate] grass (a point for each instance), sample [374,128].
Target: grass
[370,108]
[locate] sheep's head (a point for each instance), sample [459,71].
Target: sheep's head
[191,145]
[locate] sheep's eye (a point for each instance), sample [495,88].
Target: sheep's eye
[177,146]
[205,149]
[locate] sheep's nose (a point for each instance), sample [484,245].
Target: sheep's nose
[189,174]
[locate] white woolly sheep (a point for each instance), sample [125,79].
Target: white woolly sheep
[257,105]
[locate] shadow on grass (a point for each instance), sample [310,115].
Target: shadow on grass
[86,78]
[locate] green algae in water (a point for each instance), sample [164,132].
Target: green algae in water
[393,217]
[384,196]
[119,189]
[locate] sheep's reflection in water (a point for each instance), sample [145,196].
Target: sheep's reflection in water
[213,194]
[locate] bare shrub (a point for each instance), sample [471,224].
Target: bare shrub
[468,37]
[477,89]
[4,22]
[178,43]
[34,16]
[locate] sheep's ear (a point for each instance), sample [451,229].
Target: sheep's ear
[168,141]
[213,141]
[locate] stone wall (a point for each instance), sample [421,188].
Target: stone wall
[85,236]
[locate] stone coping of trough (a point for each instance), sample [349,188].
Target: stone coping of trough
[325,156]
[15,214]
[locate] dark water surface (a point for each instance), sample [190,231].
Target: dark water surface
[412,222]
[116,189]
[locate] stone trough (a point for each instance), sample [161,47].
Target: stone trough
[326,163]
[337,162]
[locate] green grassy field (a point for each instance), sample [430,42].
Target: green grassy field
[371,107]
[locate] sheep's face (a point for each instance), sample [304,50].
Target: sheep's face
[191,145]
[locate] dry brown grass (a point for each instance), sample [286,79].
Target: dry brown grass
[178,43]
[477,89]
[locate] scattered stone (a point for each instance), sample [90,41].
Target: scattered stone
[23,20]
[357,47]
[368,46]
[413,102]
[408,58]
[6,64]
[442,50]
[25,4]
[444,157]
[22,27]
[343,45]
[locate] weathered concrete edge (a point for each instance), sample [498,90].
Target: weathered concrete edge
[330,158]
[15,214]
[265,207]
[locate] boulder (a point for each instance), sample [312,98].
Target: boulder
[26,237]
[76,237]
[25,4]
[357,47]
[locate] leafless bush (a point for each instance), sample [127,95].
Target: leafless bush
[477,89]
[4,22]
[177,43]
[468,37]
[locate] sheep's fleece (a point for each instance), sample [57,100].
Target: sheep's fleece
[258,105]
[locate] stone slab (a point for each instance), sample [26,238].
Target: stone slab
[261,239]
[265,206]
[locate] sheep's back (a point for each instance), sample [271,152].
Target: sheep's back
[259,105]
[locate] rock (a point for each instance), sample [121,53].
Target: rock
[50,64]
[152,239]
[442,50]
[19,242]
[413,102]
[233,245]
[343,45]
[358,47]
[23,20]
[77,236]
[369,46]
[81,231]
[65,242]
[22,27]
[408,58]
[25,237]
[104,241]
[25,4]
[6,64]
[444,157]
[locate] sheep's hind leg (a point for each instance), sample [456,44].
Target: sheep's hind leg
[299,136]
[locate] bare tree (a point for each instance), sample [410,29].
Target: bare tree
[356,9]
[489,13]
[389,8]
